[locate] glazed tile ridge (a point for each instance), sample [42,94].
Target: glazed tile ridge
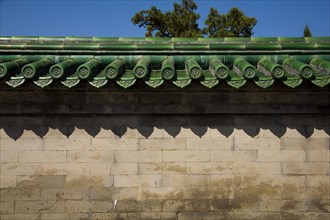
[235,61]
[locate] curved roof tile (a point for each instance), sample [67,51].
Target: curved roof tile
[70,60]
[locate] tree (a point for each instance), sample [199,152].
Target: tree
[233,24]
[181,22]
[307,32]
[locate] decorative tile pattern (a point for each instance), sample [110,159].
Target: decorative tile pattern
[70,60]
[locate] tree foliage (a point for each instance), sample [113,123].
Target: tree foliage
[307,32]
[182,22]
[233,24]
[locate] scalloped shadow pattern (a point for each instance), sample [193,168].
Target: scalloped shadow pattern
[251,125]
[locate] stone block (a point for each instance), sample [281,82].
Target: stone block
[202,215]
[125,193]
[79,133]
[137,180]
[89,181]
[124,168]
[19,216]
[245,142]
[23,194]
[305,168]
[63,169]
[186,155]
[162,144]
[301,143]
[103,206]
[269,168]
[54,133]
[115,144]
[81,216]
[318,192]
[97,216]
[237,155]
[42,156]
[270,205]
[138,206]
[7,206]
[90,156]
[246,168]
[318,155]
[202,193]
[101,168]
[39,206]
[138,156]
[186,205]
[7,181]
[255,215]
[105,134]
[78,206]
[226,205]
[221,143]
[185,180]
[41,181]
[160,193]
[162,168]
[150,216]
[24,144]
[109,193]
[316,181]
[281,155]
[58,194]
[168,215]
[54,216]
[77,169]
[283,187]
[210,168]
[8,156]
[293,215]
[67,144]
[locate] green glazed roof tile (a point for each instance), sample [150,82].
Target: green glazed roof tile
[43,60]
[209,80]
[49,38]
[292,39]
[126,80]
[235,80]
[16,81]
[158,39]
[321,80]
[237,39]
[182,80]
[72,38]
[25,38]
[44,81]
[263,80]
[264,39]
[155,79]
[211,39]
[131,39]
[175,39]
[99,80]
[71,80]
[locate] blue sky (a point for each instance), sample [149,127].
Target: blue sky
[111,18]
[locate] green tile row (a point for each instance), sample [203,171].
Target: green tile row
[161,46]
[43,70]
[135,39]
